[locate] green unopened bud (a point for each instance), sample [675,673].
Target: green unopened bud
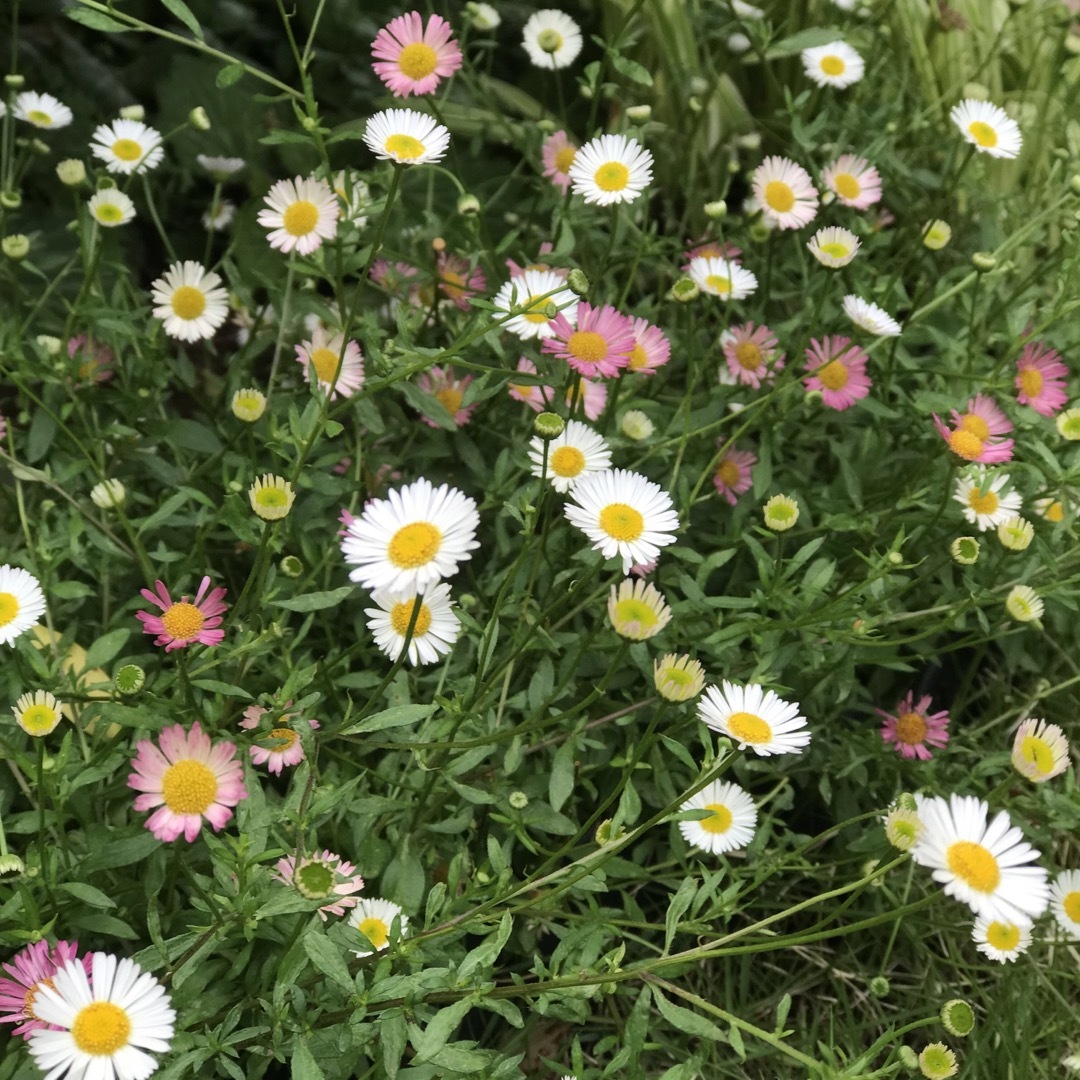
[551,310]
[937,234]
[586,92]
[983,261]
[548,425]
[10,200]
[716,210]
[605,834]
[639,114]
[71,172]
[16,246]
[1072,44]
[103,183]
[291,566]
[468,205]
[199,119]
[684,291]
[546,126]
[879,986]
[759,232]
[958,1017]
[965,550]
[130,679]
[309,123]
[578,282]
[10,865]
[518,800]
[15,82]
[906,801]
[42,149]
[908,1058]
[1074,183]
[51,345]
[133,112]
[694,104]
[108,495]
[814,399]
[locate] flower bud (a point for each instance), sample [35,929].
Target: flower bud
[879,986]
[71,171]
[10,865]
[908,1058]
[291,566]
[518,800]
[685,290]
[636,425]
[546,126]
[15,82]
[983,261]
[16,246]
[108,495]
[42,149]
[129,680]
[639,114]
[483,16]
[1074,183]
[577,282]
[199,119]
[781,513]
[936,235]
[958,1018]
[133,112]
[248,404]
[10,200]
[51,345]
[716,210]
[965,550]
[548,425]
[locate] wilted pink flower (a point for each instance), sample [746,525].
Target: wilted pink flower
[457,280]
[281,745]
[93,362]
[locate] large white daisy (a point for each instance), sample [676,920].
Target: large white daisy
[870,317]
[190,301]
[836,64]
[22,602]
[722,277]
[755,717]
[625,514]
[575,453]
[987,127]
[985,504]
[981,864]
[127,146]
[611,169]
[374,918]
[731,823]
[552,39]
[531,292]
[785,193]
[41,110]
[300,214]
[412,539]
[434,632]
[406,136]
[1001,941]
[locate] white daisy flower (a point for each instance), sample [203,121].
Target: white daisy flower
[753,716]
[576,452]
[985,504]
[354,195]
[836,64]
[110,207]
[219,216]
[552,39]
[435,631]
[611,169]
[373,918]
[406,136]
[533,291]
[190,301]
[980,864]
[987,127]
[108,1021]
[220,168]
[732,821]
[37,713]
[834,247]
[1001,941]
[1040,750]
[1065,901]
[623,514]
[127,146]
[301,214]
[722,277]
[870,317]
[22,602]
[785,193]
[412,539]
[41,110]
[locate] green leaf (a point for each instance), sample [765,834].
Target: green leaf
[316,601]
[804,39]
[124,852]
[42,432]
[677,909]
[561,782]
[216,686]
[106,647]
[229,75]
[735,1036]
[687,1021]
[439,1029]
[392,1035]
[184,14]
[105,924]
[487,952]
[782,1010]
[631,69]
[327,958]
[304,1066]
[398,716]
[96,20]
[88,894]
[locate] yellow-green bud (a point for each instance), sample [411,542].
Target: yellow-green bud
[937,234]
[10,865]
[639,114]
[291,566]
[1074,183]
[577,282]
[716,210]
[548,425]
[51,345]
[16,246]
[879,986]
[108,495]
[684,291]
[133,112]
[129,680]
[71,172]
[518,800]
[958,1018]
[10,200]
[199,119]
[983,261]
[15,82]
[468,205]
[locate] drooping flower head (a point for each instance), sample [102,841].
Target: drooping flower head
[571,455]
[611,169]
[732,477]
[1041,379]
[22,602]
[558,154]
[322,876]
[722,278]
[976,434]
[190,301]
[854,181]
[785,193]
[448,388]
[338,364]
[751,353]
[987,127]
[754,717]
[300,215]
[412,59]
[435,626]
[281,745]
[184,622]
[651,351]
[838,371]
[30,968]
[599,345]
[913,728]
[869,317]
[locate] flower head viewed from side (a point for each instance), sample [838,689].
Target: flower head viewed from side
[338,364]
[836,64]
[448,388]
[435,626]
[457,280]
[190,301]
[722,277]
[1024,604]
[751,353]
[913,728]
[854,181]
[754,717]
[837,371]
[651,351]
[599,345]
[110,208]
[732,477]
[127,146]
[1040,751]
[987,127]
[637,610]
[552,39]
[870,317]
[184,622]
[575,453]
[322,876]
[413,59]
[1065,901]
[37,713]
[22,602]
[30,969]
[1041,379]
[678,678]
[977,433]
[373,919]
[186,779]
[530,293]
[785,193]
[833,247]
[558,153]
[611,169]
[730,823]
[300,215]
[406,137]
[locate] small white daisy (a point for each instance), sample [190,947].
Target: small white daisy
[41,110]
[836,64]
[412,539]
[980,864]
[722,277]
[624,514]
[1001,941]
[190,301]
[987,127]
[611,169]
[110,207]
[37,713]
[753,716]
[406,136]
[834,247]
[1040,750]
[985,504]
[127,146]
[730,826]
[1065,901]
[552,39]
[532,291]
[22,602]
[576,452]
[374,918]
[870,317]
[220,168]
[219,216]
[434,632]
[785,193]
[300,215]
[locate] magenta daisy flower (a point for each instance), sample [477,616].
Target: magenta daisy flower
[913,728]
[30,969]
[732,477]
[751,354]
[184,622]
[322,877]
[710,249]
[458,280]
[189,778]
[412,60]
[338,364]
[854,181]
[589,396]
[446,387]
[838,371]
[281,746]
[600,344]
[558,155]
[1040,379]
[976,434]
[537,397]
[651,350]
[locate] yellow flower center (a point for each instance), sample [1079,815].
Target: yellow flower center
[1071,903]
[833,376]
[9,608]
[127,150]
[414,545]
[188,302]
[728,472]
[401,616]
[300,217]
[982,133]
[973,865]
[566,461]
[718,284]
[748,728]
[282,739]
[404,147]
[453,284]
[910,728]
[564,158]
[271,496]
[982,502]
[38,719]
[31,996]
[1031,382]
[976,425]
[720,821]
[1003,936]
[639,358]
[534,310]
[550,40]
[189,787]
[779,196]
[633,610]
[846,186]
[417,61]
[612,176]
[101,1028]
[1037,753]
[621,522]
[1055,512]
[966,444]
[451,398]
[587,346]
[833,65]
[836,250]
[748,356]
[375,930]
[182,620]
[41,119]
[110,212]
[677,675]
[325,362]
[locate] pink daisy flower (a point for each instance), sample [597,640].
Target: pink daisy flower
[457,280]
[558,154]
[394,278]
[30,969]
[337,364]
[187,779]
[284,746]
[854,181]
[651,350]
[1040,379]
[839,371]
[591,397]
[710,249]
[536,396]
[317,877]
[600,345]
[732,477]
[446,387]
[93,362]
[913,729]
[751,354]
[412,60]
[184,622]
[976,435]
